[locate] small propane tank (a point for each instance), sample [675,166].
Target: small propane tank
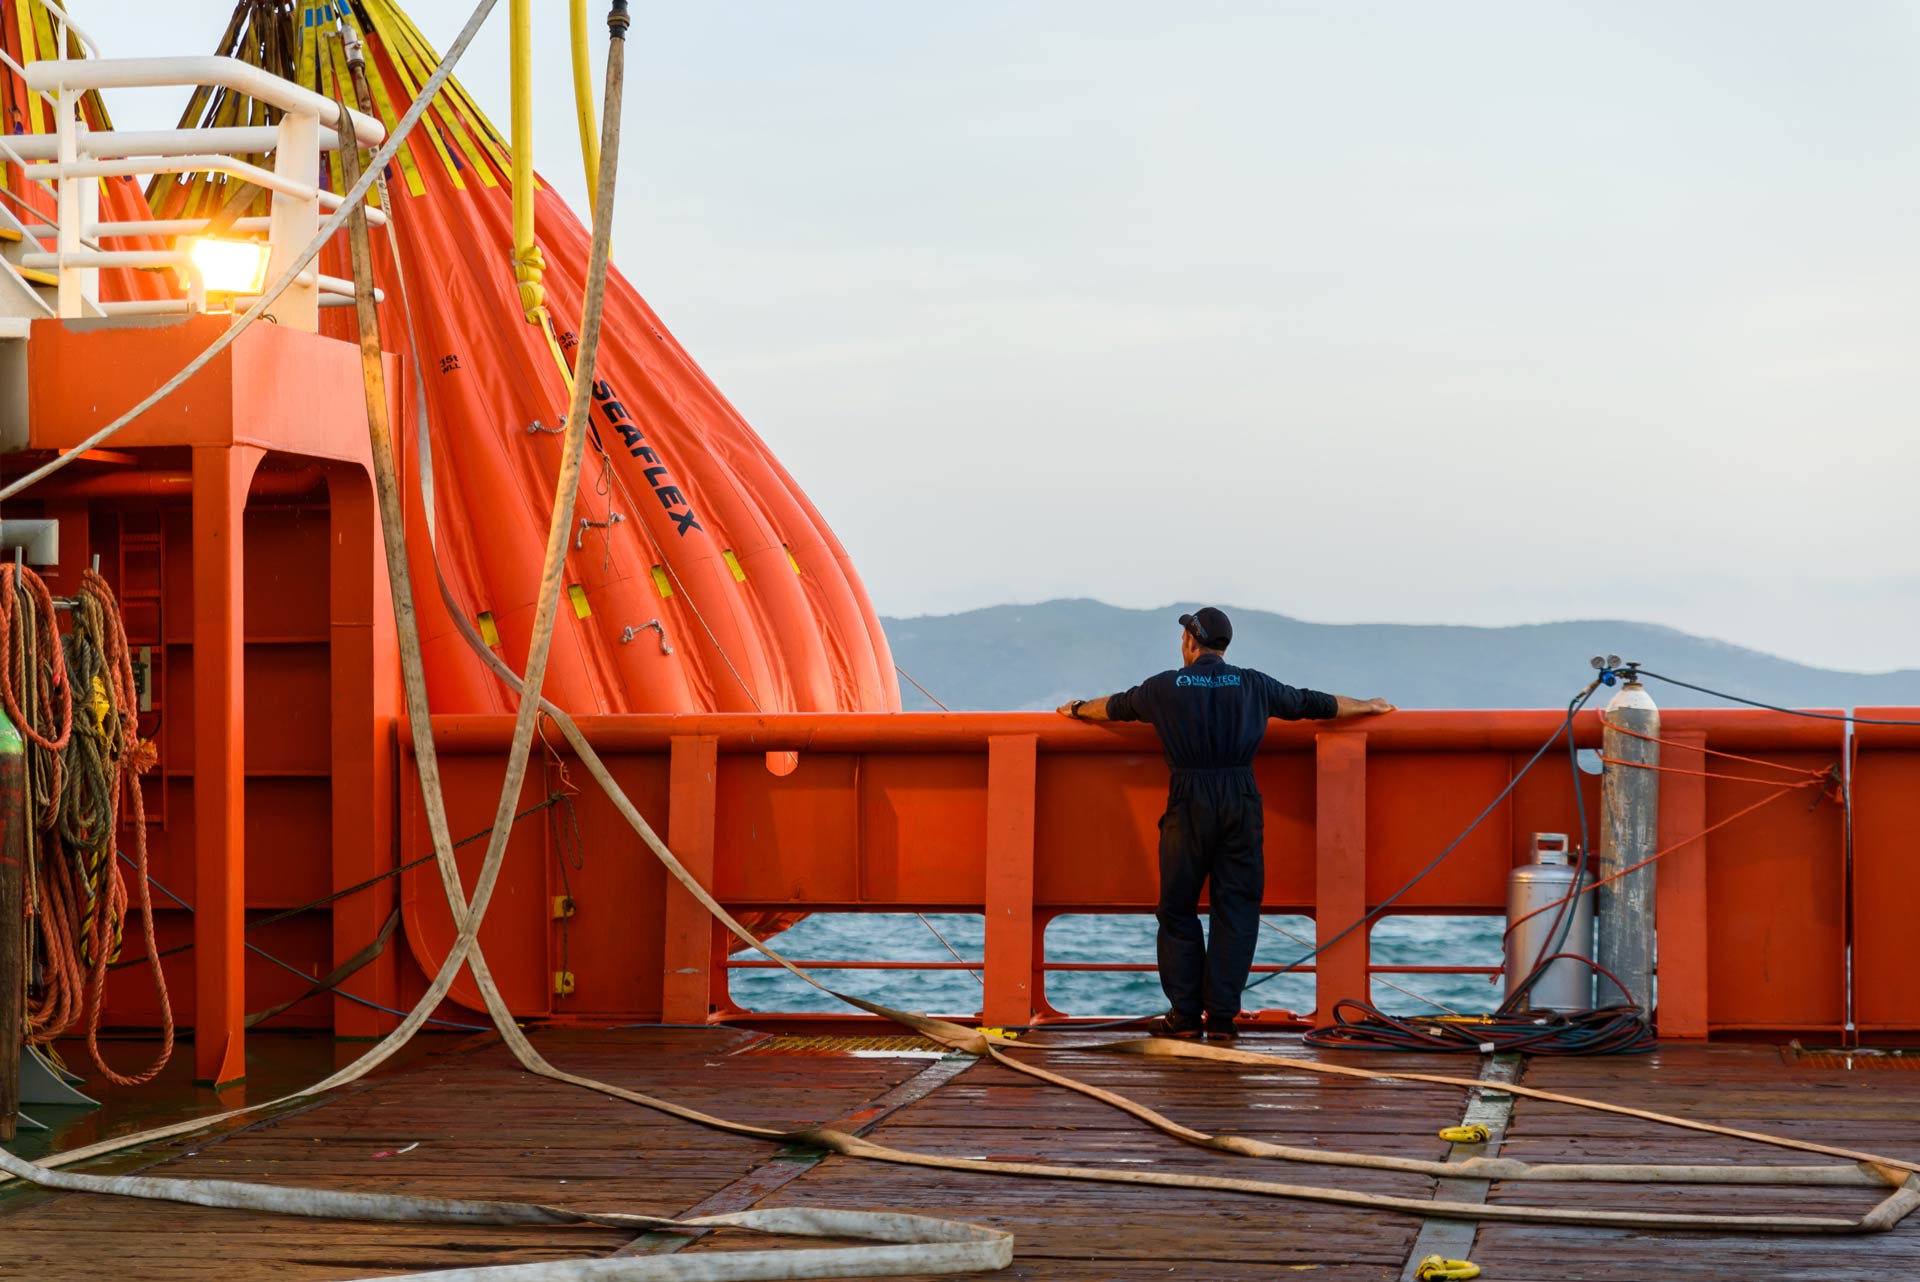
[1566,985]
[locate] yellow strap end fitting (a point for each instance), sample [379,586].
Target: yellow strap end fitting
[1437,1268]
[529,265]
[1474,1134]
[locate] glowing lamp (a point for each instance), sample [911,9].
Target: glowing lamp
[230,267]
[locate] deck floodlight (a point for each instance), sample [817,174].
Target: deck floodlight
[229,268]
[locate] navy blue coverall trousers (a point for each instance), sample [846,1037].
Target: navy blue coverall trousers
[1211,717]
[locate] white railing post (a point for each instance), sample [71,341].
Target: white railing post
[295,222]
[71,291]
[89,219]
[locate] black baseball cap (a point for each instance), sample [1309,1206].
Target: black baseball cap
[1210,627]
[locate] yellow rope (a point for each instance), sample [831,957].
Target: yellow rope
[583,102]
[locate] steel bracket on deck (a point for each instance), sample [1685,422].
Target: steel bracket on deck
[41,1082]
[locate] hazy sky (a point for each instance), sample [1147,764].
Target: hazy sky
[1479,312]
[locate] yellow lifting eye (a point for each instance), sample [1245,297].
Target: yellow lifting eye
[1437,1268]
[1474,1134]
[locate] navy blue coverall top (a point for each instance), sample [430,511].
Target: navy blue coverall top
[1211,717]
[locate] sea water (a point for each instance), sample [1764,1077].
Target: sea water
[1284,940]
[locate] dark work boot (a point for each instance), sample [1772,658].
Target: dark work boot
[1173,1024]
[1221,1027]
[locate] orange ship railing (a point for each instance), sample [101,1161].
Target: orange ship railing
[1021,817]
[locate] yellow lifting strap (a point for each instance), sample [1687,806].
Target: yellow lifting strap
[583,102]
[528,265]
[1474,1134]
[1437,1268]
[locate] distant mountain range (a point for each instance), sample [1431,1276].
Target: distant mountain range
[1022,657]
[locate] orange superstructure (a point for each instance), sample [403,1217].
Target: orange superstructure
[236,521]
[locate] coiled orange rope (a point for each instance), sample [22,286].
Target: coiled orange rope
[58,1007]
[30,673]
[15,639]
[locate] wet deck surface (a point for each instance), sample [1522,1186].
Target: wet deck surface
[486,1129]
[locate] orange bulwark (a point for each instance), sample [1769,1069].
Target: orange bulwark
[943,812]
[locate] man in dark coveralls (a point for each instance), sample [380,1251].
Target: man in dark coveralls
[1211,717]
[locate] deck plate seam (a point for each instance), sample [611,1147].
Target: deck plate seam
[1454,1239]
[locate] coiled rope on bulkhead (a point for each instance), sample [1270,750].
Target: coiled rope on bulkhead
[84,757]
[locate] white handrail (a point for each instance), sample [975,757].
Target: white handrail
[245,140]
[7,148]
[149,307]
[87,42]
[155,227]
[79,157]
[108,258]
[224,73]
[128,166]
[265,178]
[6,59]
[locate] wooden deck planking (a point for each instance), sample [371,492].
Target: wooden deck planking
[1094,1232]
[486,1129]
[1751,1087]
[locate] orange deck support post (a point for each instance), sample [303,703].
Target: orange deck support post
[1011,775]
[1885,788]
[362,656]
[221,475]
[1340,868]
[1681,889]
[276,394]
[687,961]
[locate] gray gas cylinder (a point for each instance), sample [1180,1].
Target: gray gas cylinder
[1629,832]
[1567,985]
